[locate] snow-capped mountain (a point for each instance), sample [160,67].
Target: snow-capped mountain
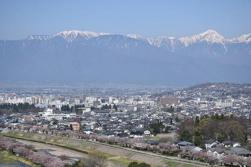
[39,37]
[71,35]
[84,56]
[246,38]
[163,41]
[210,36]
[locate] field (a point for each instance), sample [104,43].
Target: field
[6,158]
[115,154]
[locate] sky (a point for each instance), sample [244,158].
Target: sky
[177,18]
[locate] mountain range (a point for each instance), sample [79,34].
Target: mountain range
[73,57]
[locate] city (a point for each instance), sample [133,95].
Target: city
[146,119]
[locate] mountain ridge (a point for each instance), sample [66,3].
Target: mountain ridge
[90,57]
[209,35]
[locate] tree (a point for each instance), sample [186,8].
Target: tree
[22,151]
[156,127]
[80,163]
[35,156]
[216,127]
[185,135]
[21,107]
[198,141]
[136,164]
[133,164]
[186,130]
[115,107]
[248,161]
[212,160]
[65,108]
[95,159]
[106,107]
[197,121]
[229,159]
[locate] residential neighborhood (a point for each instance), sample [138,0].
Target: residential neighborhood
[148,120]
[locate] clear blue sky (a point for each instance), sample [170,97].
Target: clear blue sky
[19,18]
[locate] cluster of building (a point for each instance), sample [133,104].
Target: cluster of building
[127,114]
[208,99]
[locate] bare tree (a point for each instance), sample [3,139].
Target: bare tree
[248,162]
[229,159]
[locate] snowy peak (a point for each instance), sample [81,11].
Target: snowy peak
[71,35]
[210,36]
[39,37]
[135,36]
[246,38]
[162,41]
[67,35]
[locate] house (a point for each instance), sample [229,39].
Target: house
[184,143]
[217,152]
[147,133]
[196,149]
[236,145]
[152,142]
[212,144]
[240,151]
[75,126]
[227,143]
[169,101]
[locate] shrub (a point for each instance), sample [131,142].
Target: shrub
[136,164]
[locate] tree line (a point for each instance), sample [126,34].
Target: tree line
[37,157]
[20,107]
[216,127]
